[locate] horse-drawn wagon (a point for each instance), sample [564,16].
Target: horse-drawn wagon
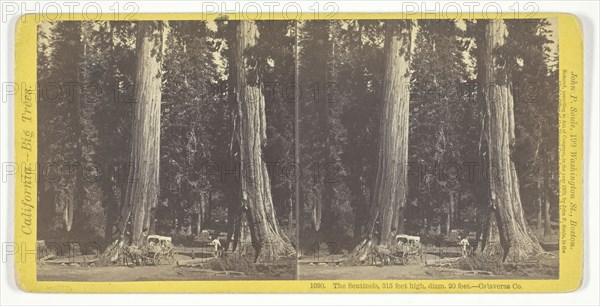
[407,248]
[161,250]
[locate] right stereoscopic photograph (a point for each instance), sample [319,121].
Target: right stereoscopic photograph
[428,149]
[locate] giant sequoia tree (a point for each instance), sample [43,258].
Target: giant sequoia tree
[142,190]
[389,196]
[517,241]
[268,240]
[535,90]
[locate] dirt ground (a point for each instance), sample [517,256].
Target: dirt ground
[145,273]
[331,267]
[186,268]
[434,268]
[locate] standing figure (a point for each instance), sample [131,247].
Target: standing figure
[464,243]
[217,244]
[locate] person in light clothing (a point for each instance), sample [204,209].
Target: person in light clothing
[217,244]
[464,243]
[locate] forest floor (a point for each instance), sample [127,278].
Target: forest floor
[330,267]
[204,266]
[436,268]
[143,273]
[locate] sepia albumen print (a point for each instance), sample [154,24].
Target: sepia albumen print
[312,149]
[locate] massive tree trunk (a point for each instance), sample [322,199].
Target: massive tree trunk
[142,187]
[268,240]
[234,218]
[389,195]
[238,237]
[517,241]
[490,238]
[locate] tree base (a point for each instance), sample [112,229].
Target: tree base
[119,253]
[362,252]
[242,249]
[524,248]
[274,250]
[369,253]
[491,249]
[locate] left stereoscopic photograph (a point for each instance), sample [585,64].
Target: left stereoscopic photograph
[167,150]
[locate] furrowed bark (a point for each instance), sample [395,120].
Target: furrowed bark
[517,241]
[268,240]
[389,195]
[142,187]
